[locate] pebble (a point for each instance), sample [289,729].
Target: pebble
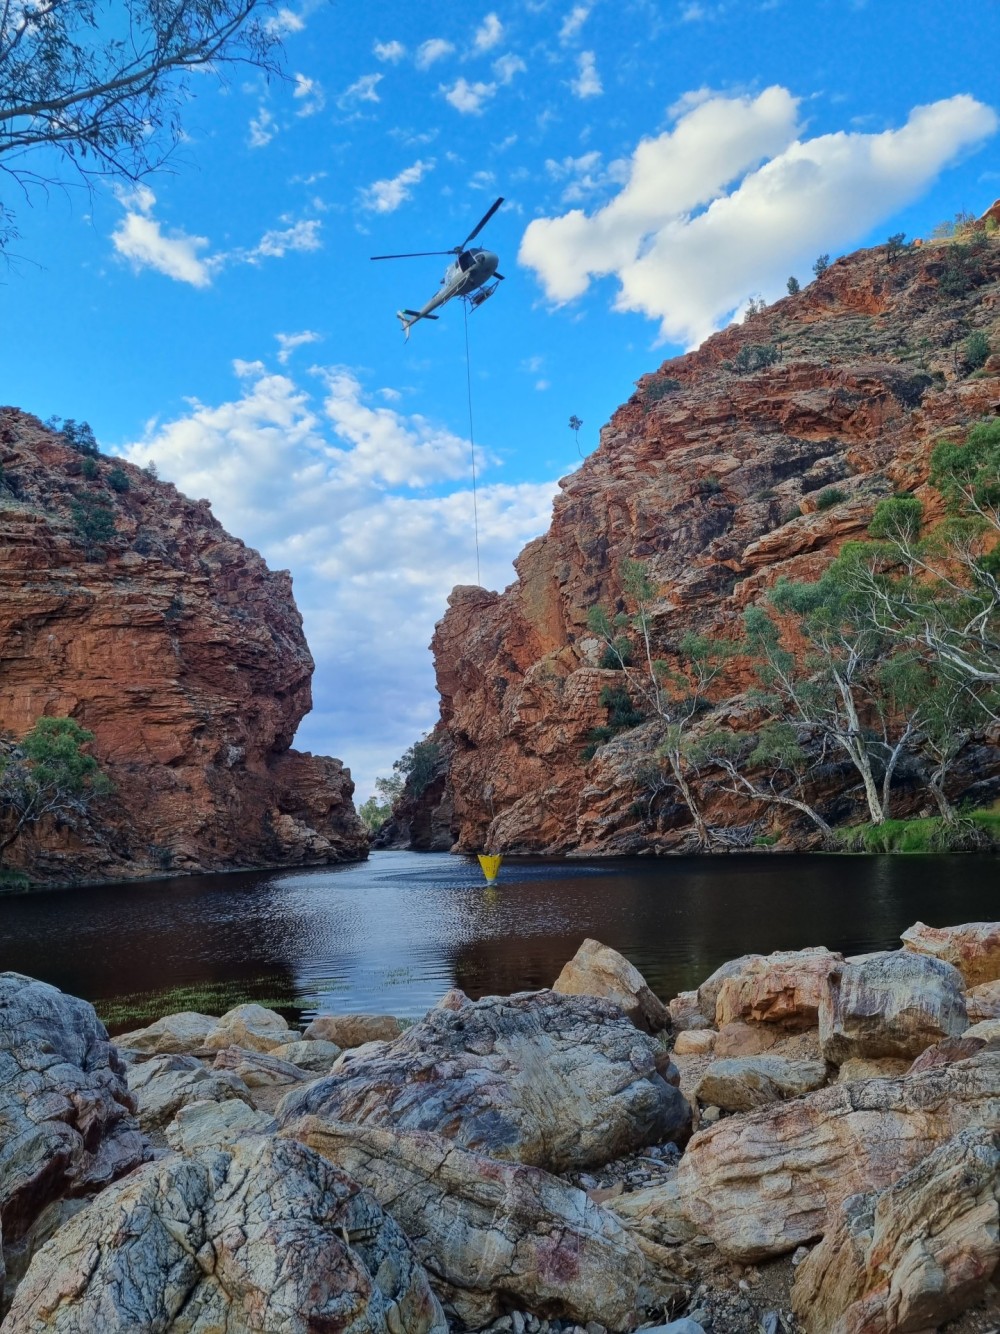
[800,1254]
[517,1322]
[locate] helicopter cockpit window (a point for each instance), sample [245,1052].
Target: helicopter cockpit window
[466,260]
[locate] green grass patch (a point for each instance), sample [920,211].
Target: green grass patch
[973,831]
[137,1009]
[13,882]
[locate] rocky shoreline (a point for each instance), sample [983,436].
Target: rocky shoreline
[804,1143]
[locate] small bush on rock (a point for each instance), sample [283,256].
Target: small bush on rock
[830,496]
[118,480]
[975,350]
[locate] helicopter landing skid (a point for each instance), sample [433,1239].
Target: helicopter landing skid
[476,299]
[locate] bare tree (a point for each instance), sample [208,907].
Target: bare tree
[102,88]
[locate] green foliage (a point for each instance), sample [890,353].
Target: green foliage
[793,285]
[95,523]
[54,751]
[753,357]
[830,496]
[975,350]
[659,389]
[374,814]
[970,471]
[756,305]
[897,517]
[79,436]
[118,480]
[89,468]
[793,512]
[821,265]
[932,834]
[961,267]
[418,765]
[895,246]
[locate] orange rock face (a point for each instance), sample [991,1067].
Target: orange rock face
[713,482]
[184,655]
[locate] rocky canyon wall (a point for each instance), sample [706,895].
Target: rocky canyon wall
[712,479]
[180,650]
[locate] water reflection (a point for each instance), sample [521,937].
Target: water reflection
[396,932]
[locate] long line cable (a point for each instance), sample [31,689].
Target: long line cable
[472,438]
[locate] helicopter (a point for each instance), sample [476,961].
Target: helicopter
[469,276]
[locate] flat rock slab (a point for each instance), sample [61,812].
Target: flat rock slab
[741,1039]
[265,1236]
[199,1126]
[914,1255]
[259,1069]
[174,1034]
[743,1083]
[67,1123]
[598,970]
[354,1030]
[553,1081]
[316,1055]
[974,948]
[766,1182]
[492,1236]
[983,1002]
[163,1084]
[896,1005]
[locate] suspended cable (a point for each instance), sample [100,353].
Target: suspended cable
[472,438]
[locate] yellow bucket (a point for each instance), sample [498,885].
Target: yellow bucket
[490,865]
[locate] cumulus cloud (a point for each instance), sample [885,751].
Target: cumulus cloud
[310,93]
[361,90]
[573,22]
[140,239]
[732,199]
[468,98]
[262,128]
[488,34]
[287,343]
[506,67]
[434,49]
[587,82]
[392,52]
[276,243]
[372,511]
[385,196]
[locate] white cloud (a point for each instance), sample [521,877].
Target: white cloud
[361,90]
[386,196]
[139,239]
[731,200]
[391,52]
[436,48]
[275,244]
[284,22]
[262,128]
[468,98]
[287,343]
[573,22]
[310,93]
[488,34]
[507,67]
[587,82]
[335,494]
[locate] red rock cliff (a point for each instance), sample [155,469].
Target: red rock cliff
[184,655]
[713,483]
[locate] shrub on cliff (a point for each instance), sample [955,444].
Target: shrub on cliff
[80,436]
[95,523]
[118,480]
[821,265]
[752,357]
[417,765]
[830,496]
[48,774]
[975,350]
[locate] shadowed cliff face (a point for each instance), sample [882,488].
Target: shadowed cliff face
[698,480]
[183,653]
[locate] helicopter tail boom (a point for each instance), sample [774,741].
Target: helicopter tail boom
[410,317]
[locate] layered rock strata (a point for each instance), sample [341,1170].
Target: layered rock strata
[180,650]
[712,479]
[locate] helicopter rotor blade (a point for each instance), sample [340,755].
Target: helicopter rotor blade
[414,254]
[481,223]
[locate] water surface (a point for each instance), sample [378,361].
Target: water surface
[394,933]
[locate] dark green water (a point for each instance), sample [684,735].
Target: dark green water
[394,933]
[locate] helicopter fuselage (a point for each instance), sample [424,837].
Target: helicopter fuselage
[470,271]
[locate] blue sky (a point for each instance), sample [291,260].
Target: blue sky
[661,162]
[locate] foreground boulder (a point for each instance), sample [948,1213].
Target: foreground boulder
[174,1034]
[766,1182]
[560,1082]
[913,1255]
[216,1125]
[67,1124]
[983,1002]
[162,1085]
[259,1069]
[741,1084]
[973,948]
[492,1236]
[353,1030]
[265,1236]
[598,970]
[784,988]
[249,1026]
[890,1005]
